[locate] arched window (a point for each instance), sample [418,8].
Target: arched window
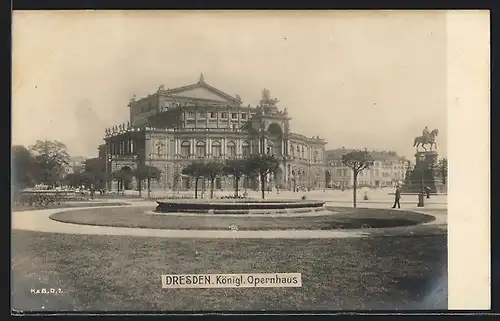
[216,149]
[245,148]
[231,149]
[201,149]
[292,151]
[298,151]
[185,149]
[303,153]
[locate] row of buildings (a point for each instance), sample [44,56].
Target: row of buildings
[171,128]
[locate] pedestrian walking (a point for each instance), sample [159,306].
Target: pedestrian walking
[92,191]
[428,191]
[397,197]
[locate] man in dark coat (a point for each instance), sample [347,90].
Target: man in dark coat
[397,197]
[428,191]
[92,191]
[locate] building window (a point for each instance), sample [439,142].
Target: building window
[234,115]
[202,114]
[216,149]
[190,114]
[201,149]
[213,115]
[303,153]
[243,116]
[172,147]
[223,115]
[245,149]
[185,149]
[231,149]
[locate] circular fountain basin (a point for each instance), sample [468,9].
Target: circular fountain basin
[239,206]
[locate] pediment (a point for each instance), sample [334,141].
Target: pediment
[202,92]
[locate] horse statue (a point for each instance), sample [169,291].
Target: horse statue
[426,140]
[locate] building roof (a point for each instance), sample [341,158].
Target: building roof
[336,154]
[199,90]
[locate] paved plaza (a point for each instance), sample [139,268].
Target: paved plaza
[39,220]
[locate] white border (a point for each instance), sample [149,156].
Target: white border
[469,153]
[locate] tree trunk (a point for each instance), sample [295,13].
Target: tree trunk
[236,181]
[139,185]
[149,188]
[196,187]
[262,185]
[355,186]
[212,179]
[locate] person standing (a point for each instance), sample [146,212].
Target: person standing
[92,191]
[397,197]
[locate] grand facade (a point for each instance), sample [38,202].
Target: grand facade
[171,128]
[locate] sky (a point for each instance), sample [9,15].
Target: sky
[359,79]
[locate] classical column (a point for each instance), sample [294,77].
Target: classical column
[195,117]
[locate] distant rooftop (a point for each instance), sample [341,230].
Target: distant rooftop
[336,154]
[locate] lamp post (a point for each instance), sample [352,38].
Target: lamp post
[421,158]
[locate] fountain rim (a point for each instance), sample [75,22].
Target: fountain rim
[240,201]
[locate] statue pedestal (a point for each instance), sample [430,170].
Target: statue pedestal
[424,173]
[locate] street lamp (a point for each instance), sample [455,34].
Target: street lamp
[421,158]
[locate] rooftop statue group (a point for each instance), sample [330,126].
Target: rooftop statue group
[427,138]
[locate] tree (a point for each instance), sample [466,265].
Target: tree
[51,158]
[443,170]
[357,161]
[96,168]
[213,170]
[237,168]
[263,165]
[73,179]
[148,173]
[195,170]
[23,168]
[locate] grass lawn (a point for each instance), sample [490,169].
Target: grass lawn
[123,273]
[346,218]
[20,208]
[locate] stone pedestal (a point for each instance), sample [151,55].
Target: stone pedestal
[424,173]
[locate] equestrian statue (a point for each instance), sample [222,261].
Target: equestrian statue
[427,138]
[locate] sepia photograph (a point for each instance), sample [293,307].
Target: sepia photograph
[189,161]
